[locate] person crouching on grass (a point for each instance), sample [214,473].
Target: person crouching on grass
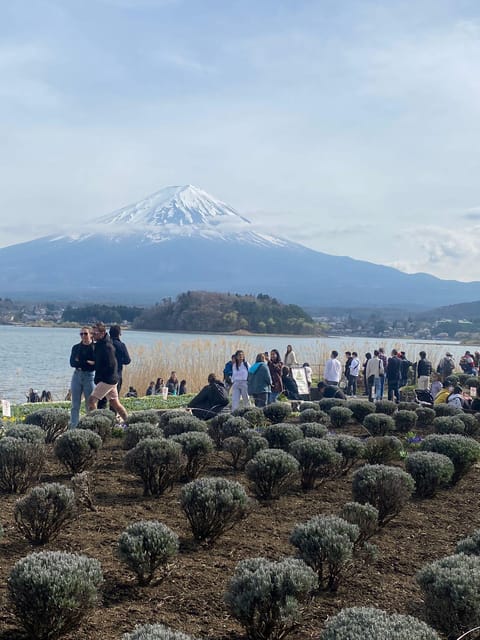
[106,372]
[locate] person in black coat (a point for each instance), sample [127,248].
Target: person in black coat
[210,400]
[290,388]
[393,376]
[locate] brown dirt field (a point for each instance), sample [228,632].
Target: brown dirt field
[190,598]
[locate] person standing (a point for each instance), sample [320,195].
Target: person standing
[239,380]
[393,376]
[290,359]
[353,372]
[383,358]
[333,370]
[122,355]
[424,371]
[82,359]
[106,372]
[405,365]
[227,373]
[259,382]
[446,366]
[374,372]
[275,367]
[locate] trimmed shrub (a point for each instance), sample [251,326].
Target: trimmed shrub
[379,424]
[157,461]
[215,428]
[317,459]
[52,591]
[145,546]
[313,430]
[449,424]
[350,448]
[185,424]
[99,424]
[385,406]
[359,623]
[271,471]
[326,404]
[196,447]
[472,381]
[52,421]
[28,432]
[254,416]
[77,449]
[365,516]
[472,423]
[105,413]
[361,409]
[314,415]
[82,484]
[254,442]
[21,463]
[136,431]
[407,406]
[405,420]
[212,506]
[326,544]
[233,426]
[382,449]
[451,587]
[170,414]
[308,404]
[431,471]
[281,436]
[152,416]
[235,447]
[462,451]
[155,632]
[42,513]
[265,596]
[386,488]
[425,416]
[243,447]
[470,545]
[442,410]
[277,411]
[340,416]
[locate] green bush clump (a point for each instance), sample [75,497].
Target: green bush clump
[185,424]
[313,430]
[314,415]
[471,381]
[281,436]
[101,425]
[385,406]
[234,426]
[145,546]
[254,415]
[326,544]
[77,449]
[52,591]
[451,588]
[365,516]
[21,463]
[326,404]
[425,415]
[265,596]
[136,431]
[379,424]
[52,421]
[340,416]
[386,488]
[382,449]
[215,428]
[442,410]
[472,423]
[196,447]
[361,409]
[360,623]
[407,406]
[350,448]
[152,416]
[105,413]
[405,420]
[271,471]
[42,513]
[431,471]
[277,411]
[317,459]
[461,450]
[155,632]
[212,506]
[28,432]
[470,545]
[243,447]
[308,404]
[157,461]
[449,424]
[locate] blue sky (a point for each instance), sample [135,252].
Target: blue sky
[350,126]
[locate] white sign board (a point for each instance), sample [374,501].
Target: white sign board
[299,375]
[6,410]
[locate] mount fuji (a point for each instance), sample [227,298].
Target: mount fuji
[181,238]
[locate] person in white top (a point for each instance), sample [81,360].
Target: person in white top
[239,380]
[333,370]
[290,359]
[353,372]
[375,368]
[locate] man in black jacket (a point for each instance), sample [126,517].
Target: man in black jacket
[210,400]
[82,360]
[106,371]
[424,371]
[393,376]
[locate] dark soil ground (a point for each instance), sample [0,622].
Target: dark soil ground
[191,597]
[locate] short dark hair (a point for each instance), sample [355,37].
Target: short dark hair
[422,354]
[100,326]
[115,331]
[334,353]
[211,378]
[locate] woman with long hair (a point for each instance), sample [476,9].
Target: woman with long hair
[259,381]
[275,365]
[290,359]
[239,380]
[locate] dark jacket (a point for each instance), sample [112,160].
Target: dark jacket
[290,388]
[105,361]
[393,369]
[275,369]
[79,356]
[210,400]
[121,353]
[424,367]
[333,392]
[259,379]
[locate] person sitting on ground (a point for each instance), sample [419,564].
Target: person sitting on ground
[455,399]
[210,400]
[151,389]
[132,392]
[290,388]
[437,385]
[330,391]
[173,384]
[158,387]
[442,396]
[182,389]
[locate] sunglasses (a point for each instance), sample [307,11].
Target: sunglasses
[84,333]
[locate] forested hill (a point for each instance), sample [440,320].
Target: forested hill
[225,312]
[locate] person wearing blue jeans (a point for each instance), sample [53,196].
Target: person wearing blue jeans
[82,360]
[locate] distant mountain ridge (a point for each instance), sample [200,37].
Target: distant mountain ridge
[181,238]
[463,311]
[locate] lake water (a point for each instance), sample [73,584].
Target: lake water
[38,357]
